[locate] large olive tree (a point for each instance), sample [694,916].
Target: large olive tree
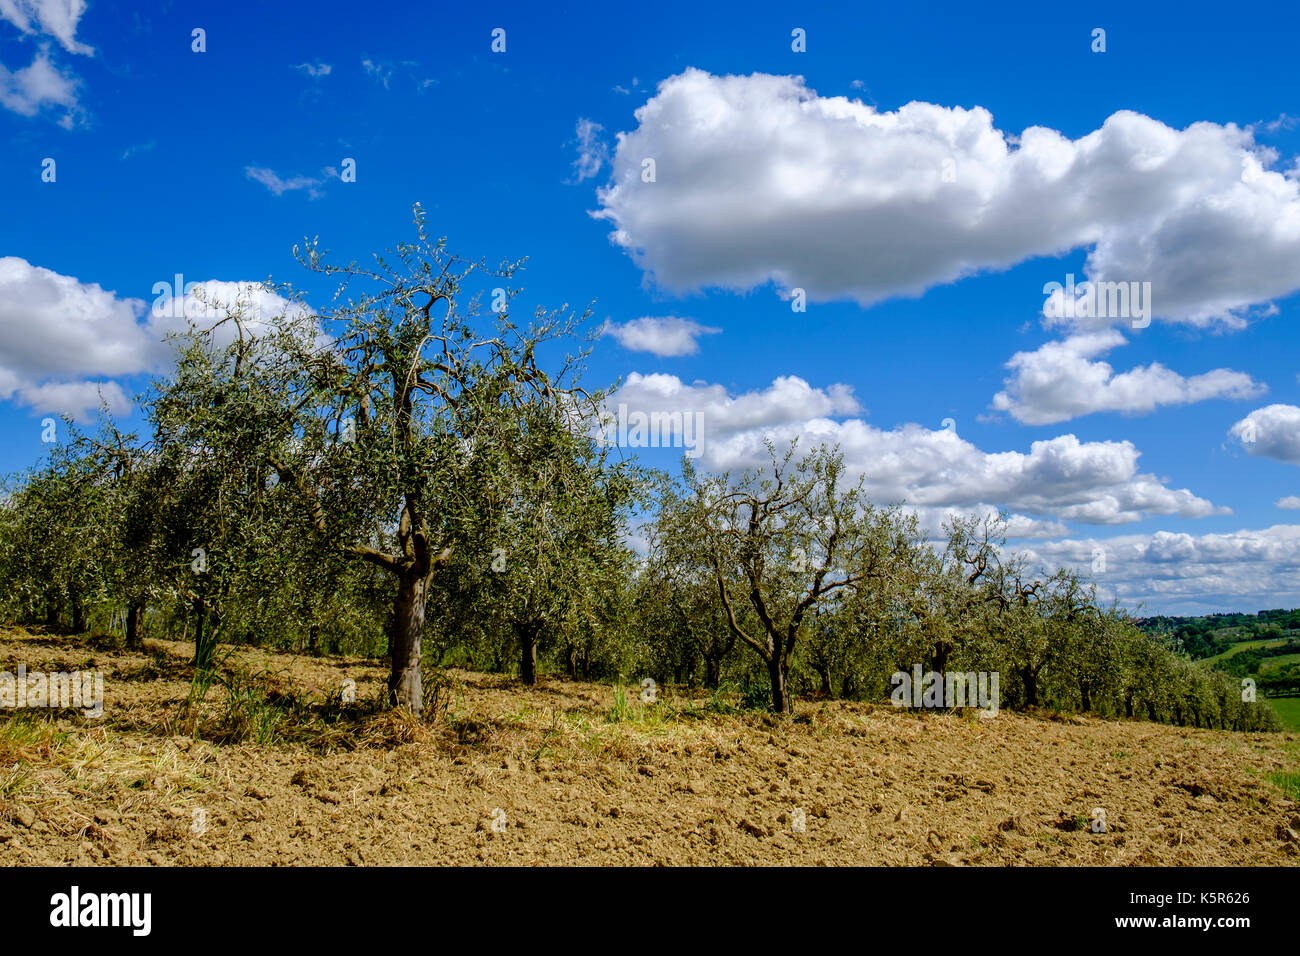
[387,415]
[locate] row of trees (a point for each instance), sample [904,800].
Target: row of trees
[403,474]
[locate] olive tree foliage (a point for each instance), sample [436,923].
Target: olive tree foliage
[217,512]
[787,540]
[550,560]
[128,531]
[50,567]
[678,598]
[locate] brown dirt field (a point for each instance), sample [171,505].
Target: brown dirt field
[674,784]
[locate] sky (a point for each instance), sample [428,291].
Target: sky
[790,220]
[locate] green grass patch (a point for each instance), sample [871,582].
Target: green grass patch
[1246,646]
[1288,783]
[1274,663]
[1287,710]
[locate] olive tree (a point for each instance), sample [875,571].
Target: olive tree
[788,539]
[382,414]
[552,513]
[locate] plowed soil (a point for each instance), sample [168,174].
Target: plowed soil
[501,774]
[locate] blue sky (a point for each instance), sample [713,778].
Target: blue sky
[920,289]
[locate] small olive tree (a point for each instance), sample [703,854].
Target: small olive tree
[789,539]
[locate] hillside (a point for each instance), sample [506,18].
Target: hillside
[571,774]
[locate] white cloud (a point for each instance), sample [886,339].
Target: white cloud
[1186,574]
[272,181]
[788,400]
[79,400]
[1289,503]
[140,148]
[207,302]
[62,340]
[759,179]
[382,72]
[1019,526]
[36,87]
[57,18]
[1271,432]
[666,336]
[1060,381]
[1058,480]
[1283,122]
[315,70]
[593,151]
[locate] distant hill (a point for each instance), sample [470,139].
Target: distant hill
[1211,635]
[1263,647]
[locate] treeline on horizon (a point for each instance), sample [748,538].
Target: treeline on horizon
[403,475]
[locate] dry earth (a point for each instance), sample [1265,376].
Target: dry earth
[547,775]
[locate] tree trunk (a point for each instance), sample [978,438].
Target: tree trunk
[405,642]
[1029,677]
[51,615]
[202,652]
[713,671]
[780,694]
[134,612]
[849,686]
[528,653]
[825,673]
[78,615]
[1085,697]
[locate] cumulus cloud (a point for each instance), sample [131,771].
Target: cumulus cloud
[759,179]
[56,18]
[204,304]
[1058,480]
[1271,432]
[62,340]
[1178,573]
[1289,503]
[666,336]
[77,399]
[788,400]
[1062,380]
[1019,526]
